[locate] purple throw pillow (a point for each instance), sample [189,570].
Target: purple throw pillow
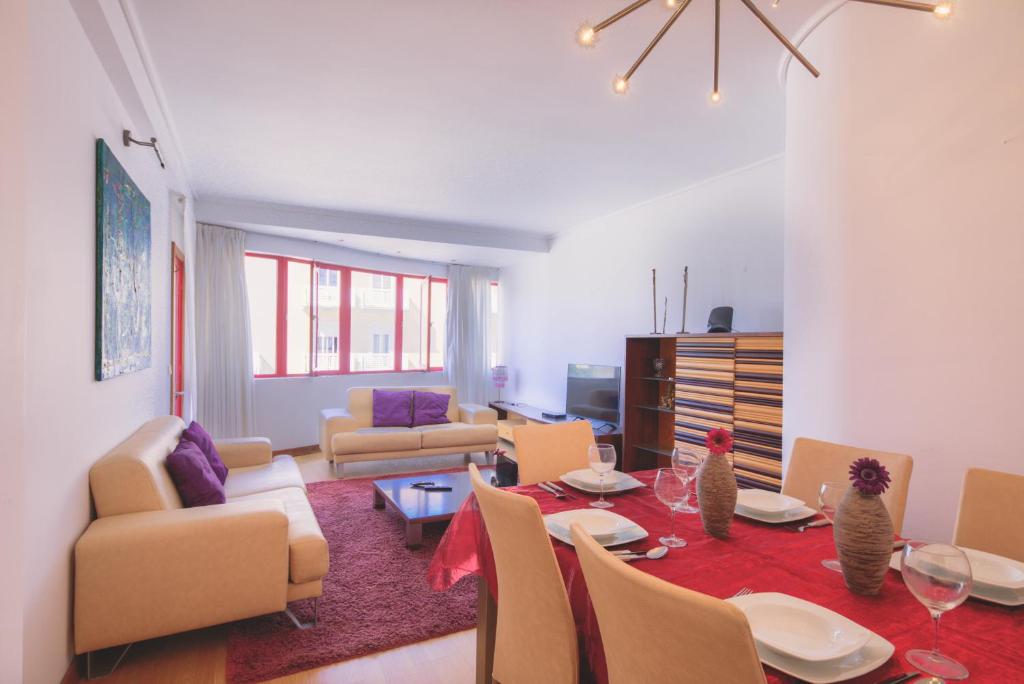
[196,434]
[193,477]
[430,408]
[392,409]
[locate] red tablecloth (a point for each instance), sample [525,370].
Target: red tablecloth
[987,638]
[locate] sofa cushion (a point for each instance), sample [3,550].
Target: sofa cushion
[282,472]
[196,482]
[198,435]
[392,409]
[456,434]
[429,408]
[307,549]
[360,402]
[376,440]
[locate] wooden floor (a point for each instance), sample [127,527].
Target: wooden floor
[199,657]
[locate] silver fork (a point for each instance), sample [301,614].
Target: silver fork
[745,591]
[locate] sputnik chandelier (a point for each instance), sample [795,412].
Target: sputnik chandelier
[587,34]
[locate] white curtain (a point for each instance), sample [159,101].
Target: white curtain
[223,337]
[469,316]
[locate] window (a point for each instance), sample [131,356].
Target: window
[311,318]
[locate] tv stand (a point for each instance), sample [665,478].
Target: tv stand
[511,414]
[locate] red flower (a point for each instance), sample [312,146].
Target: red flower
[869,476]
[719,441]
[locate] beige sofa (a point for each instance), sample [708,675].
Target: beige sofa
[147,567]
[347,435]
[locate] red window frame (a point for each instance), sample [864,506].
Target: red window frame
[345,318]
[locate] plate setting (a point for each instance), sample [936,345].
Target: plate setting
[615,482]
[810,642]
[607,528]
[996,579]
[770,507]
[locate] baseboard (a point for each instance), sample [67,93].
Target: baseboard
[299,451]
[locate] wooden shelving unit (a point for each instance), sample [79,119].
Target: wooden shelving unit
[729,380]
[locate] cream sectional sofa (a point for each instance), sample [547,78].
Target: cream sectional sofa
[147,567]
[347,435]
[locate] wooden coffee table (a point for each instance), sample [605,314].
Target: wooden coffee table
[417,506]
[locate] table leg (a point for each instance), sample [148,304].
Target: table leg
[486,624]
[378,500]
[413,534]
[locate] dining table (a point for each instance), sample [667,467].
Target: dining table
[987,638]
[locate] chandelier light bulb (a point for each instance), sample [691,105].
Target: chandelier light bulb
[620,85]
[776,3]
[944,10]
[586,36]
[716,97]
[671,4]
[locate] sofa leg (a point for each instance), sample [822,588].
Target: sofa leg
[89,665]
[305,625]
[467,458]
[339,469]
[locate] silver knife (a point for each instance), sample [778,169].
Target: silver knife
[550,491]
[558,489]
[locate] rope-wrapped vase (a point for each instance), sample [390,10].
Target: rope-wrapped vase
[863,534]
[716,495]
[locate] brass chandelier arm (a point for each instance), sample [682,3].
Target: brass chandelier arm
[620,14]
[718,33]
[661,34]
[782,39]
[902,4]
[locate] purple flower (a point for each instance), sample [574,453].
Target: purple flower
[869,476]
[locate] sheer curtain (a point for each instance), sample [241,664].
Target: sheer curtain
[223,337]
[469,316]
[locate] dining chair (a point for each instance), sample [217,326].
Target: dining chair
[814,462]
[657,632]
[991,510]
[545,452]
[535,638]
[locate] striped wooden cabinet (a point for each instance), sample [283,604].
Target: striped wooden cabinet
[727,380]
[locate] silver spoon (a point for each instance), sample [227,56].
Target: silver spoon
[653,554]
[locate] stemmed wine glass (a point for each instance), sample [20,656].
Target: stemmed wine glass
[939,576]
[602,460]
[686,463]
[671,490]
[829,496]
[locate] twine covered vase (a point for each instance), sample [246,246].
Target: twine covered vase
[716,495]
[863,534]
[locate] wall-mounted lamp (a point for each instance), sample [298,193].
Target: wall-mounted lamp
[126,136]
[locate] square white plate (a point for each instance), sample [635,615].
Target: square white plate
[765,502]
[992,571]
[800,629]
[791,516]
[874,655]
[587,480]
[625,530]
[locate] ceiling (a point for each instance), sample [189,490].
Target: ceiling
[481,113]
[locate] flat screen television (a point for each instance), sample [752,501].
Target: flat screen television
[593,391]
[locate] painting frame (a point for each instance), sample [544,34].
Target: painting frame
[124,317]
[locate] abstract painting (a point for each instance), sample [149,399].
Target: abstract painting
[123,297]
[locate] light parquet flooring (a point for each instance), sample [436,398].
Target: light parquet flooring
[199,657]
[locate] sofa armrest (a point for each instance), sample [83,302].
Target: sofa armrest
[143,575]
[476,414]
[245,451]
[333,421]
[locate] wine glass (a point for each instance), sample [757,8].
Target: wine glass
[829,496]
[672,491]
[686,463]
[939,576]
[602,460]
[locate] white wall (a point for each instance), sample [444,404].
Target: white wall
[287,409]
[905,243]
[14,61]
[577,303]
[71,419]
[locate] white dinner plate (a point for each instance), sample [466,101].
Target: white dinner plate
[791,516]
[996,581]
[874,655]
[800,629]
[625,530]
[767,503]
[587,480]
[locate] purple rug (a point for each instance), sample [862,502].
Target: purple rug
[375,597]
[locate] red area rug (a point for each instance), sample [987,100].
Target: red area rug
[375,598]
